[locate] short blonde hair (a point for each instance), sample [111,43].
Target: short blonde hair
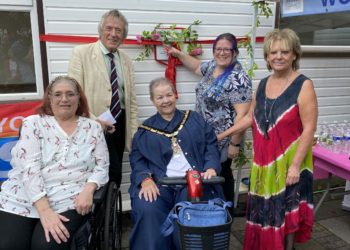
[290,38]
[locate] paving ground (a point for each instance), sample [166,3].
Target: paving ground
[331,230]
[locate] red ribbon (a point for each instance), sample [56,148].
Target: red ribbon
[170,71]
[90,39]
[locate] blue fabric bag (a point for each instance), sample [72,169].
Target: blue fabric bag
[201,214]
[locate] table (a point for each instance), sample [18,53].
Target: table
[327,164]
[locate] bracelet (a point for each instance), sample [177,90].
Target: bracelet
[235,145]
[146,179]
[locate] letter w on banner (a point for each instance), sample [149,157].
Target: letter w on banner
[11,116]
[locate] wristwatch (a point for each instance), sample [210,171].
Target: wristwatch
[147,175]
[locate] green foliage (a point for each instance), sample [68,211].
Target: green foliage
[174,36]
[242,159]
[171,36]
[145,53]
[263,10]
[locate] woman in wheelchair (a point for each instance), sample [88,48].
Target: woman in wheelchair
[59,161]
[167,144]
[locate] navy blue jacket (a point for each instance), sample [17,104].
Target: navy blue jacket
[152,152]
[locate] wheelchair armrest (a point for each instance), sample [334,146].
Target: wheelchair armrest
[100,194]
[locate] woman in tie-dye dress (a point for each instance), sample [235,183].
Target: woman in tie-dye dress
[283,116]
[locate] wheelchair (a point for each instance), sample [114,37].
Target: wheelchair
[103,229]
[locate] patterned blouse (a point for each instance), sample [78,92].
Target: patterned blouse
[48,162]
[216,104]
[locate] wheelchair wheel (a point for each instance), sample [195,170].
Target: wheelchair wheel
[90,234]
[113,214]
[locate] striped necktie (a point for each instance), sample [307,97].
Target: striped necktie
[115,102]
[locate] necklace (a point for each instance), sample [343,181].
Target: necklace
[268,115]
[172,136]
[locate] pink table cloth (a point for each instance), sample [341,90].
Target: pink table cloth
[325,162]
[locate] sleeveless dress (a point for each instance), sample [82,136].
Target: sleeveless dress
[274,209]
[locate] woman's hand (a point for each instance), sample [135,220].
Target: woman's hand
[84,200]
[53,224]
[149,190]
[209,173]
[232,151]
[293,175]
[172,51]
[190,62]
[220,136]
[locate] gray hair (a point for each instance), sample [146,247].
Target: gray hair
[159,81]
[116,14]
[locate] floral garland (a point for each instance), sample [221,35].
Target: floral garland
[264,9]
[175,36]
[171,36]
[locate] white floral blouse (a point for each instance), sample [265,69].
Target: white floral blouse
[48,162]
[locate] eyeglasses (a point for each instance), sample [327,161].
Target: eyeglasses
[225,50]
[68,95]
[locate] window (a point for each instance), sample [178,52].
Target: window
[323,30]
[17,71]
[318,23]
[20,67]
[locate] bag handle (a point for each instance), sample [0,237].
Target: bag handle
[220,202]
[168,226]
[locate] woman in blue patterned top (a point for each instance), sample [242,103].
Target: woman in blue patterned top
[223,96]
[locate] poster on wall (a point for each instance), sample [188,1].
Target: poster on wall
[11,116]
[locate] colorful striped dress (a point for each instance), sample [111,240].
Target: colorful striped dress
[274,209]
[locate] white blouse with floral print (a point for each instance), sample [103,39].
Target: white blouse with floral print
[48,162]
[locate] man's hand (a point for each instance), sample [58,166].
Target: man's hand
[107,126]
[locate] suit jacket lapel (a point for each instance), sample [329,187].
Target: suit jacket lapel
[125,75]
[100,64]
